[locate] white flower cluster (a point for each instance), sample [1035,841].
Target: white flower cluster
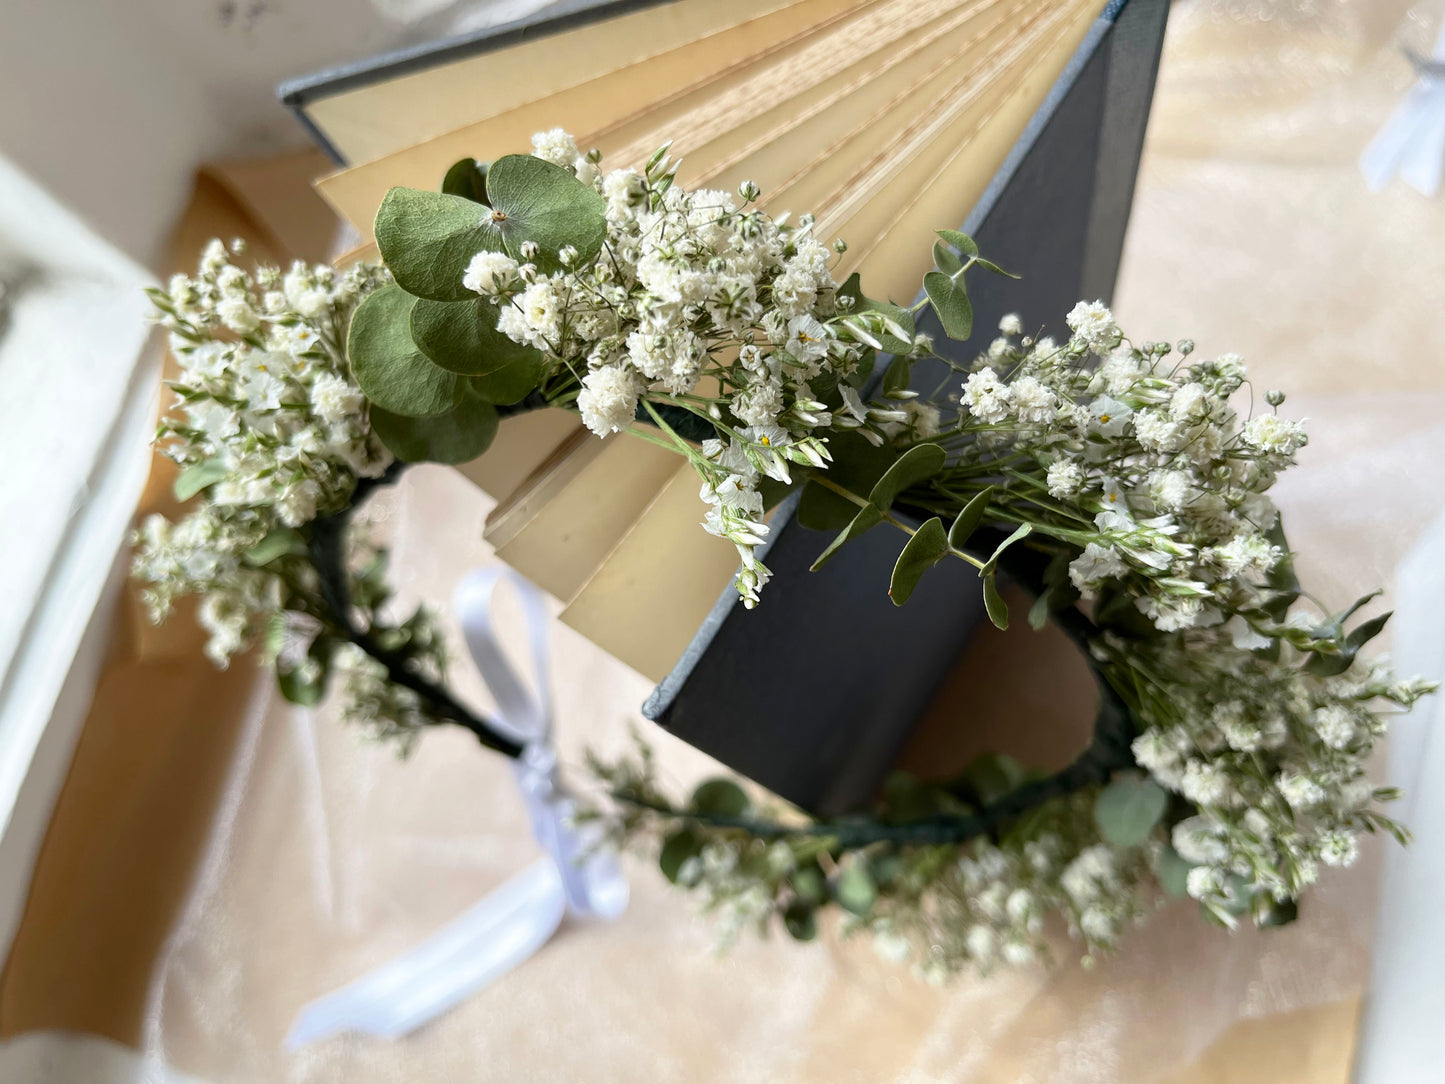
[992,906]
[1134,470]
[1274,758]
[268,422]
[1156,479]
[700,304]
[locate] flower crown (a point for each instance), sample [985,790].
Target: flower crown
[1115,481]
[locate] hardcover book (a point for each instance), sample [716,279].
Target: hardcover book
[1020,120]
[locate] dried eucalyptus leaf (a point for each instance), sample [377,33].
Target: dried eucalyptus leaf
[820,509]
[926,548]
[946,259]
[918,464]
[468,179]
[800,922]
[855,889]
[428,238]
[961,241]
[950,301]
[968,520]
[386,363]
[1173,873]
[546,205]
[677,849]
[1127,810]
[462,337]
[890,342]
[1021,531]
[457,436]
[721,797]
[198,476]
[866,519]
[278,543]
[993,603]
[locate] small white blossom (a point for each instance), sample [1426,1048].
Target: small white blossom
[1064,478]
[987,397]
[1092,322]
[608,400]
[1095,565]
[1273,434]
[490,273]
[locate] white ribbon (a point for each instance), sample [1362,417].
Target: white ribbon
[1412,143]
[514,921]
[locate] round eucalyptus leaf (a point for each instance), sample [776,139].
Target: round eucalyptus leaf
[458,436]
[468,179]
[1269,912]
[800,921]
[1173,873]
[946,259]
[722,797]
[890,343]
[545,204]
[854,890]
[867,518]
[391,372]
[462,337]
[297,689]
[279,543]
[809,884]
[677,849]
[993,775]
[306,685]
[1127,810]
[428,238]
[969,518]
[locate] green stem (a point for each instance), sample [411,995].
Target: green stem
[328,553]
[888,517]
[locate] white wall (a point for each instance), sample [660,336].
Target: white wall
[110,104]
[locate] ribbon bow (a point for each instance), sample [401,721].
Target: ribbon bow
[517,919]
[1412,143]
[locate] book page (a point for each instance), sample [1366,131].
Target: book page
[649,596]
[523,442]
[561,527]
[366,122]
[869,142]
[588,107]
[771,152]
[784,87]
[892,250]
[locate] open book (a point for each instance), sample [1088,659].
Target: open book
[886,119]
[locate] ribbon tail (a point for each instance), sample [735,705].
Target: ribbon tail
[1380,160]
[470,952]
[1423,163]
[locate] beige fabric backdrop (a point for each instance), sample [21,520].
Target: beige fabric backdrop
[1252,231]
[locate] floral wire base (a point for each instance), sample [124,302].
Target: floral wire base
[1113,480]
